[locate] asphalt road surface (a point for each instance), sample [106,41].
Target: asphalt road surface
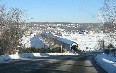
[54,64]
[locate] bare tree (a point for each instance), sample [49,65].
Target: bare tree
[109,14]
[108,18]
[11,29]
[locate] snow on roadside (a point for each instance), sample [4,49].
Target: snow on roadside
[33,55]
[107,62]
[63,53]
[6,58]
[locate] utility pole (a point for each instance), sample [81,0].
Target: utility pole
[61,48]
[103,44]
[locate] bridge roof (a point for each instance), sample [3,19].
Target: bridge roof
[59,38]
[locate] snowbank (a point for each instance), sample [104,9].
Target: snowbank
[63,53]
[14,56]
[107,62]
[4,58]
[8,57]
[33,55]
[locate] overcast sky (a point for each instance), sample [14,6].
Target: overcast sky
[80,11]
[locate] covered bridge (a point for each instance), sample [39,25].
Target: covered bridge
[65,43]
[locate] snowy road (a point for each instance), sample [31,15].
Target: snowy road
[54,64]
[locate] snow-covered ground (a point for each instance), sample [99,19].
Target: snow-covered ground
[63,53]
[107,62]
[86,42]
[9,58]
[91,41]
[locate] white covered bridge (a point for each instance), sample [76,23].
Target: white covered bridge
[64,43]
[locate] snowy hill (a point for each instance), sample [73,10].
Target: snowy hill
[90,42]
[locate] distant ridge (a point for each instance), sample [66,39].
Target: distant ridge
[60,23]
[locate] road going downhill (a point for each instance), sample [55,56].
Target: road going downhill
[54,64]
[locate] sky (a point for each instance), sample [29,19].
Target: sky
[77,11]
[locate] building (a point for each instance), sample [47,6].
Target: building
[64,43]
